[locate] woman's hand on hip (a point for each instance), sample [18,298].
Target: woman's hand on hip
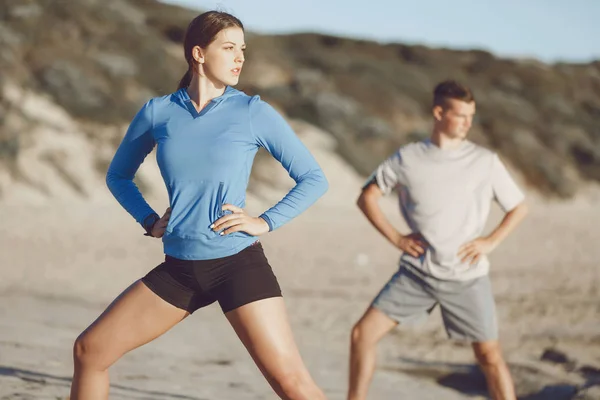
[239,221]
[159,227]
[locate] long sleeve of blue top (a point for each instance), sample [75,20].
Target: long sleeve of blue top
[136,145]
[205,159]
[275,135]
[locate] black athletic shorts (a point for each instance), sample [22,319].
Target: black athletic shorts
[232,281]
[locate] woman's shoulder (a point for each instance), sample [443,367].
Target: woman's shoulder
[154,102]
[166,99]
[242,98]
[259,106]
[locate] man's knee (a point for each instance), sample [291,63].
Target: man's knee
[358,334]
[488,354]
[362,335]
[371,328]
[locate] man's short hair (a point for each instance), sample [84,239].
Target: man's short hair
[451,90]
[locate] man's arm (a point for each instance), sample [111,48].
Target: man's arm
[368,202]
[475,249]
[510,221]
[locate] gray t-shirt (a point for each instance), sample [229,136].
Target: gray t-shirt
[446,195]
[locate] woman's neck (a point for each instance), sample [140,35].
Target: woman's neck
[202,90]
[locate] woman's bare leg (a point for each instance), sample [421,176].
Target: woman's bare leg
[134,318]
[264,329]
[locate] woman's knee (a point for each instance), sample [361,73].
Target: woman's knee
[89,352]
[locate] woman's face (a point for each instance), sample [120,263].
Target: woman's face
[222,60]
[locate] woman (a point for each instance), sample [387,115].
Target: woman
[207,135]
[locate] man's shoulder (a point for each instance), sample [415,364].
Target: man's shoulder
[411,148]
[480,151]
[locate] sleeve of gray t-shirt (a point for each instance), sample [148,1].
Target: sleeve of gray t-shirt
[506,192]
[388,174]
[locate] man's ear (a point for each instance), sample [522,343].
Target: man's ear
[437,112]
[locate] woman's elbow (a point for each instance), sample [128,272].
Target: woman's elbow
[110,178]
[114,180]
[324,184]
[317,180]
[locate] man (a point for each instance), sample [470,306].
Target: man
[445,185]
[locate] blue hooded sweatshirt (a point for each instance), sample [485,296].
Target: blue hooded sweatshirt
[205,159]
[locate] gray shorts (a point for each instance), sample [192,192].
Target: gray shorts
[468,308]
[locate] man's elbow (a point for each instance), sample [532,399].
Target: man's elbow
[363,200]
[523,208]
[369,195]
[360,201]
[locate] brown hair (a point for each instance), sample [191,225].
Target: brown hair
[451,90]
[202,31]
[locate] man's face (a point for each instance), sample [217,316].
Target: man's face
[455,118]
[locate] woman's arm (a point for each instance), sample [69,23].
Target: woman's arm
[274,134]
[136,145]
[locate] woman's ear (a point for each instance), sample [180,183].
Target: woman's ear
[198,54]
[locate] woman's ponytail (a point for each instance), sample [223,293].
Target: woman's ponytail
[186,80]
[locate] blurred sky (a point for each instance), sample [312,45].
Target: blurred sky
[550,30]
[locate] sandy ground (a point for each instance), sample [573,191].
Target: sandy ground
[62,262]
